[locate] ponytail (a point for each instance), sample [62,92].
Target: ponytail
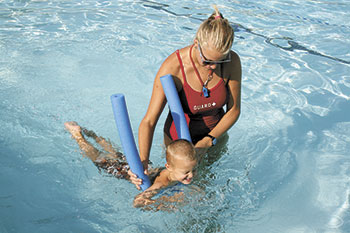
[216,30]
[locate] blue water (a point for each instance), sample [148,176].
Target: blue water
[285,166]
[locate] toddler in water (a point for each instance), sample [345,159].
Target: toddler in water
[180,156]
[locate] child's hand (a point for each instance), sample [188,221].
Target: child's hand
[140,203]
[177,197]
[133,177]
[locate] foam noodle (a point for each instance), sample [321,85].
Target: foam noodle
[126,137]
[175,107]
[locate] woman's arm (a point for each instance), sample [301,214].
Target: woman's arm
[233,105]
[149,122]
[147,126]
[155,108]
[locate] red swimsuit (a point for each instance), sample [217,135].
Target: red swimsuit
[202,114]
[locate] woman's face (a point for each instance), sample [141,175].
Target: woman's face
[210,57]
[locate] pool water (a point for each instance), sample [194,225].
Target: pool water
[284,167]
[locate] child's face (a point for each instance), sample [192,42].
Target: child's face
[182,170]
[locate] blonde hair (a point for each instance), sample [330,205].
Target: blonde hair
[216,30]
[180,148]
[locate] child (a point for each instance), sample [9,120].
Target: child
[181,162]
[180,156]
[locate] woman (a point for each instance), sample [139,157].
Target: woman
[207,75]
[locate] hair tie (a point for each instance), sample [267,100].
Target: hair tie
[218,17]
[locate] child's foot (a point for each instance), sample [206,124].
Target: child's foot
[74,129]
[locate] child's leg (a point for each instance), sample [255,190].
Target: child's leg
[107,162]
[106,145]
[84,145]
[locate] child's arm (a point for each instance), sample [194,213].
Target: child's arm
[144,199]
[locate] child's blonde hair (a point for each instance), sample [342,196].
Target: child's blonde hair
[216,30]
[180,148]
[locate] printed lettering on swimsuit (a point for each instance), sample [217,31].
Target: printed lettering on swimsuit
[203,106]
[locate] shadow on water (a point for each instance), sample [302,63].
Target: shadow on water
[308,133]
[315,123]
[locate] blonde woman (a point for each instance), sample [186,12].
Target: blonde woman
[207,75]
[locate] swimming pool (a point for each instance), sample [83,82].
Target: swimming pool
[285,167]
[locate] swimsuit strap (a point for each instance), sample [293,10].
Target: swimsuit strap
[181,65]
[194,67]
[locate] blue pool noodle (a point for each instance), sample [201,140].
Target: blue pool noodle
[175,107]
[127,139]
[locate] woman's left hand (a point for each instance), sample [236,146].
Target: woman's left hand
[202,146]
[204,143]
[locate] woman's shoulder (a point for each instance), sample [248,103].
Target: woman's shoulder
[172,64]
[173,58]
[161,179]
[234,56]
[233,69]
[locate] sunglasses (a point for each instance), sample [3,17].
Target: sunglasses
[211,62]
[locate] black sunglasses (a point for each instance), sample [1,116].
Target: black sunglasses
[210,62]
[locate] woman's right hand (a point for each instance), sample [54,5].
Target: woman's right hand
[133,177]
